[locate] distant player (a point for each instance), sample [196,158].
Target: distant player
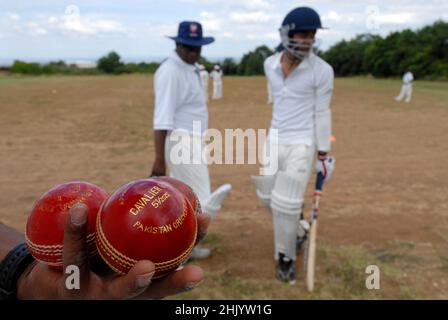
[302,86]
[406,88]
[216,75]
[204,78]
[179,103]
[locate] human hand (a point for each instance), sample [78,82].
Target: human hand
[325,165]
[41,282]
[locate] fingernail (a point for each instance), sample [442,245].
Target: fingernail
[191,285]
[78,215]
[144,280]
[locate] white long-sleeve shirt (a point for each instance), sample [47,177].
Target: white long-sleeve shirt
[216,76]
[408,77]
[301,109]
[179,96]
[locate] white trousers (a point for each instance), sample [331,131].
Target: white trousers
[217,90]
[195,175]
[405,93]
[296,162]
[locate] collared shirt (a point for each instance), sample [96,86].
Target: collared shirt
[179,96]
[306,91]
[408,77]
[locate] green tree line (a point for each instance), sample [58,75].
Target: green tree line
[110,63]
[424,52]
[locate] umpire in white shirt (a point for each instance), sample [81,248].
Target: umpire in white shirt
[180,106]
[302,87]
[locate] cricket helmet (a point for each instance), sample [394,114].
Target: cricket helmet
[299,20]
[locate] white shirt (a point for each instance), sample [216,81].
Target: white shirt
[179,96]
[204,77]
[216,75]
[408,77]
[301,101]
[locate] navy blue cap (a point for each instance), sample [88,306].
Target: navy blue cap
[190,34]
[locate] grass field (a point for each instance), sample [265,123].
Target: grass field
[386,205]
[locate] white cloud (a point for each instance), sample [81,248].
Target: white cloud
[332,16]
[250,17]
[12,16]
[53,20]
[396,18]
[228,35]
[210,22]
[90,25]
[35,29]
[256,4]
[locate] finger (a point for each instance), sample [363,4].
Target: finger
[134,283]
[75,244]
[203,223]
[177,282]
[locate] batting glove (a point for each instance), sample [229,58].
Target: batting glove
[326,167]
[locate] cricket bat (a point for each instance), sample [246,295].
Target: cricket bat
[310,249]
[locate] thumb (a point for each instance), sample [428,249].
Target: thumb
[75,245]
[134,283]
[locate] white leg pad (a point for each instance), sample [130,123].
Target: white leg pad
[286,203]
[264,186]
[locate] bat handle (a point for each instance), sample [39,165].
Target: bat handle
[319,182]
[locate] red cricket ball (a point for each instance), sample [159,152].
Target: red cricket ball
[146,220]
[45,225]
[186,190]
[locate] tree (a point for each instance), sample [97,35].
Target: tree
[110,63]
[26,68]
[252,62]
[229,67]
[424,52]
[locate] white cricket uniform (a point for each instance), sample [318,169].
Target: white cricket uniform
[406,88]
[217,84]
[302,117]
[204,78]
[179,100]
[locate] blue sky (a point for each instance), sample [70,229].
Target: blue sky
[76,29]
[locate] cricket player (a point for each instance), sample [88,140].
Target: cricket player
[204,78]
[302,88]
[216,75]
[180,106]
[406,88]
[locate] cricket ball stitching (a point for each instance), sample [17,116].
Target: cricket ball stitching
[120,258]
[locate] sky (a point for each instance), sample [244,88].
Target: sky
[87,29]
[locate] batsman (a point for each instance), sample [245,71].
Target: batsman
[302,88]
